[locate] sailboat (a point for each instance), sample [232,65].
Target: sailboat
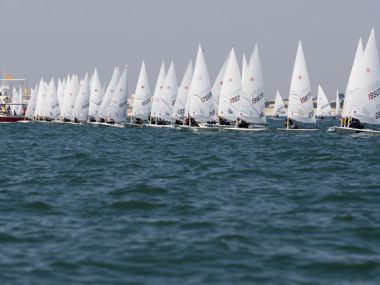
[300,108]
[217,87]
[162,108]
[229,100]
[41,100]
[119,102]
[156,95]
[278,108]
[365,105]
[200,107]
[29,113]
[51,105]
[323,105]
[104,107]
[251,106]
[96,97]
[82,103]
[183,91]
[142,99]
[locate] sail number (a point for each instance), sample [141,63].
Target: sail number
[374,94]
[206,98]
[235,99]
[258,98]
[147,101]
[305,98]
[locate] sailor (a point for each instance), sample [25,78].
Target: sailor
[356,124]
[292,125]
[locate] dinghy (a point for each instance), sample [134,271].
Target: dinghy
[337,104]
[141,100]
[162,108]
[82,103]
[251,105]
[228,109]
[29,113]
[323,105]
[201,106]
[183,91]
[216,88]
[365,105]
[278,108]
[96,96]
[300,108]
[104,107]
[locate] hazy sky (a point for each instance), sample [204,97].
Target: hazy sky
[55,37]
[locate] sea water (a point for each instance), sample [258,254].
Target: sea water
[91,205]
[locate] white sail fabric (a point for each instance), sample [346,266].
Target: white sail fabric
[366,97]
[230,93]
[142,99]
[52,110]
[244,68]
[119,101]
[337,104]
[347,105]
[252,102]
[64,95]
[15,109]
[183,91]
[82,102]
[29,113]
[168,95]
[96,95]
[104,107]
[323,104]
[279,106]
[70,97]
[301,106]
[201,105]
[157,91]
[41,98]
[217,87]
[60,90]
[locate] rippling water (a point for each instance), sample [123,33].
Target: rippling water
[91,205]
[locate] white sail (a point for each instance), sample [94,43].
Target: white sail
[217,87]
[142,98]
[230,93]
[347,104]
[244,68]
[366,97]
[301,106]
[29,113]
[119,102]
[70,96]
[82,102]
[60,90]
[66,87]
[52,101]
[96,95]
[166,98]
[337,104]
[157,90]
[323,104]
[252,102]
[201,105]
[279,106]
[14,100]
[183,91]
[104,107]
[41,98]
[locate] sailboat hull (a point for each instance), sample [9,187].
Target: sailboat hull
[296,130]
[342,130]
[246,129]
[198,129]
[132,125]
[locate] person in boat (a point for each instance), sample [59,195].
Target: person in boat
[138,121]
[276,116]
[322,118]
[193,122]
[9,110]
[178,122]
[291,125]
[356,124]
[224,122]
[241,123]
[110,121]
